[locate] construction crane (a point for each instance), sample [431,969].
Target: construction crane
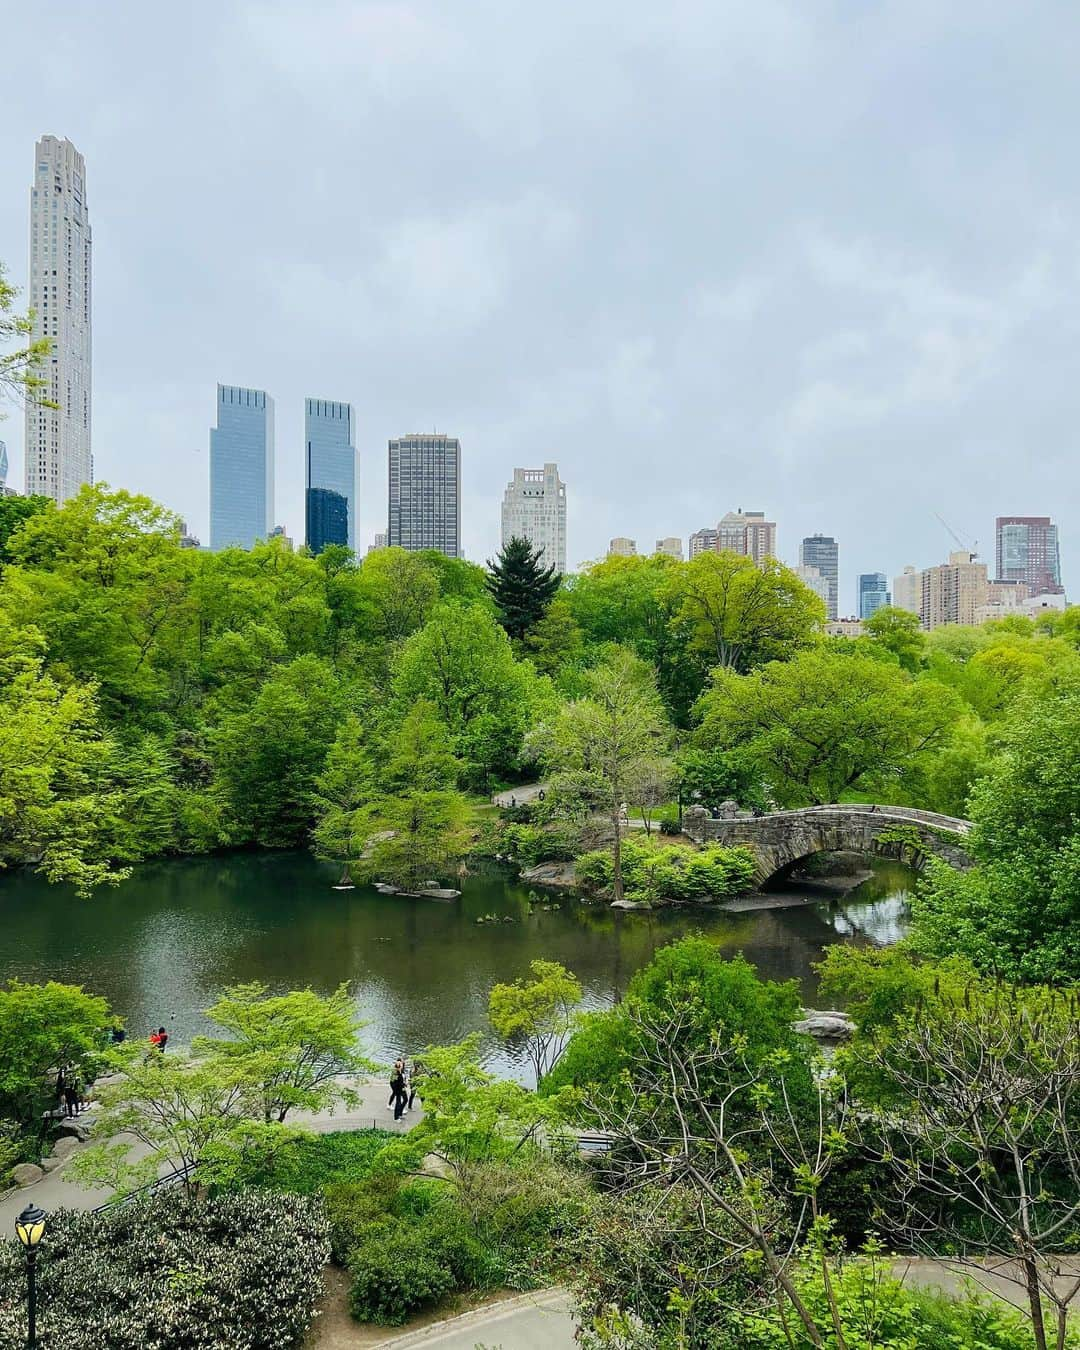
[974,546]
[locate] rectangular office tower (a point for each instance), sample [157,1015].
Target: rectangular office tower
[58,458]
[820,551]
[873,593]
[425,494]
[534,508]
[1027,550]
[331,474]
[241,468]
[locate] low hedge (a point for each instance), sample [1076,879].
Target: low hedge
[162,1273]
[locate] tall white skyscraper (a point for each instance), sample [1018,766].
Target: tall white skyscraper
[58,458]
[534,508]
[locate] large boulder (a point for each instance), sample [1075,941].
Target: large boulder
[25,1174]
[63,1148]
[825,1026]
[73,1129]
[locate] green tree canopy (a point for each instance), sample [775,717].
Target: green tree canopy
[521,586]
[537,1011]
[45,1029]
[600,747]
[826,722]
[461,662]
[294,1048]
[738,613]
[1017,912]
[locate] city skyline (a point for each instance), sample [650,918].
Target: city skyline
[446,267]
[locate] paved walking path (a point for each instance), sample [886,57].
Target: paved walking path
[55,1191]
[539,1321]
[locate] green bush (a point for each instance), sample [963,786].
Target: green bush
[396,1271]
[532,844]
[877,1310]
[671,871]
[308,1166]
[241,1271]
[668,820]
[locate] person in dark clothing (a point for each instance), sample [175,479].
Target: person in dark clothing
[397,1088]
[71,1098]
[162,1039]
[118,1034]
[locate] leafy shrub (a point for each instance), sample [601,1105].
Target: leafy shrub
[396,1271]
[307,1166]
[404,1262]
[354,1208]
[878,1310]
[671,871]
[668,820]
[532,844]
[241,1271]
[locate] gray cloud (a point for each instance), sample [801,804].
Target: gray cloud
[819,260]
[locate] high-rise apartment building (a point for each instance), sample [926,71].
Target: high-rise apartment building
[534,508]
[953,591]
[621,547]
[241,468]
[378,542]
[671,547]
[331,474]
[747,532]
[814,581]
[873,593]
[58,457]
[704,541]
[425,494]
[1027,550]
[907,590]
[821,551]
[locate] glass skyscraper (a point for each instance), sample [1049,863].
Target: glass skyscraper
[1027,550]
[425,494]
[820,551]
[873,593]
[331,473]
[241,468]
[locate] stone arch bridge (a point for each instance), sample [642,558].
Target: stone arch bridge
[783,839]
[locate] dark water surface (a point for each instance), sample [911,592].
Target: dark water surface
[163,944]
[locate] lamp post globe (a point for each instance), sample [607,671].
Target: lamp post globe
[30,1226]
[30,1229]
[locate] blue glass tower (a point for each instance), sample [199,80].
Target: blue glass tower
[241,468]
[331,474]
[873,593]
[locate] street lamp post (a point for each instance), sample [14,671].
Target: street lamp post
[30,1228]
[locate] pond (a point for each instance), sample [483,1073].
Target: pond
[160,946]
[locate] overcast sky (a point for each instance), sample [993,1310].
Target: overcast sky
[819,259]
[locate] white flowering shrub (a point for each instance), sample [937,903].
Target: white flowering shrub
[238,1272]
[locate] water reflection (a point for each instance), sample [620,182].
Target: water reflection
[162,945]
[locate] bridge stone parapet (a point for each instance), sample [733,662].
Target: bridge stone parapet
[782,839]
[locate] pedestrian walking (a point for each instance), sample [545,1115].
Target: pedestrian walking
[417,1072]
[71,1097]
[397,1088]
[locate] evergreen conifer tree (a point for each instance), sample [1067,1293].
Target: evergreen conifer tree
[521,586]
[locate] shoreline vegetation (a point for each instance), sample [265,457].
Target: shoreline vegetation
[157,701]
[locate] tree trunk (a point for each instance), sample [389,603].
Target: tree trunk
[1034,1293]
[616,855]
